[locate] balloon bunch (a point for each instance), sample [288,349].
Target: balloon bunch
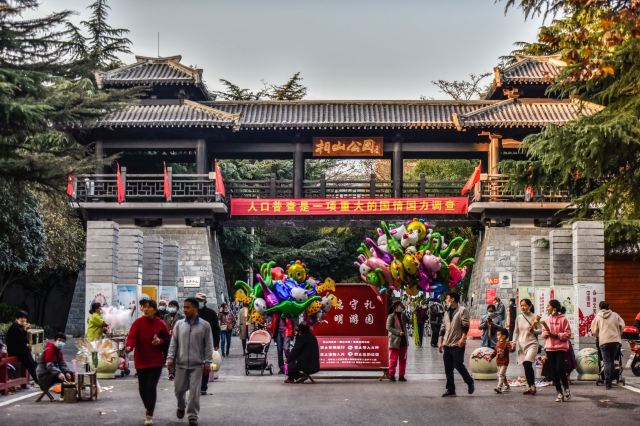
[290,293]
[412,257]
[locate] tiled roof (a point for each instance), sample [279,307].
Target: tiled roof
[282,115]
[347,114]
[525,113]
[530,70]
[150,71]
[183,114]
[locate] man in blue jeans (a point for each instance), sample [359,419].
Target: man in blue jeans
[452,341]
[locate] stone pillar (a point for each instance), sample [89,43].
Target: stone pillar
[101,262]
[152,264]
[298,171]
[540,261]
[397,167]
[99,153]
[201,157]
[130,254]
[523,274]
[560,252]
[171,255]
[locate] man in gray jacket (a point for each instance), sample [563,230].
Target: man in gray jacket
[452,341]
[190,355]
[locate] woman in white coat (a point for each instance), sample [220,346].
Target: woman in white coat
[525,335]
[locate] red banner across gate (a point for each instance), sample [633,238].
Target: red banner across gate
[353,336]
[347,206]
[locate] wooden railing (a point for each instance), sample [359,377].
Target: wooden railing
[497,188]
[146,187]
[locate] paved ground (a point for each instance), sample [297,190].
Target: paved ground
[238,399]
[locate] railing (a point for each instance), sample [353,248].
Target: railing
[146,187]
[497,188]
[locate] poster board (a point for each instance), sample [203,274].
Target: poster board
[490,295]
[588,297]
[566,296]
[151,291]
[353,335]
[127,296]
[168,293]
[543,295]
[97,292]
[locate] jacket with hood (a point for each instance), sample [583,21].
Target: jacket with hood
[607,326]
[51,364]
[558,324]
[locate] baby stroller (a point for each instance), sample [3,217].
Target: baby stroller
[616,375]
[257,349]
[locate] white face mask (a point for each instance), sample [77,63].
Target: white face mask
[447,306]
[201,304]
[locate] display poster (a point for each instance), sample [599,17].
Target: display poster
[353,335]
[168,293]
[490,295]
[588,297]
[151,291]
[97,292]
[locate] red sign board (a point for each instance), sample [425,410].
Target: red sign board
[490,295]
[347,206]
[353,335]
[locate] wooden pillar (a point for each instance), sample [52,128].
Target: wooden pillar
[397,167]
[201,157]
[494,154]
[99,148]
[298,170]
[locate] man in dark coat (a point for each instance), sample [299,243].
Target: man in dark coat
[304,357]
[18,344]
[210,316]
[513,312]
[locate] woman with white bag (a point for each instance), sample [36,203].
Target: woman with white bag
[227,322]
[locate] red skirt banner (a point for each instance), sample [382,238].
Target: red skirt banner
[347,206]
[353,335]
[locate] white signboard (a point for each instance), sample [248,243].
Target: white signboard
[506,279]
[191,282]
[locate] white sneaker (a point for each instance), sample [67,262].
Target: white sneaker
[567,395]
[148,420]
[560,397]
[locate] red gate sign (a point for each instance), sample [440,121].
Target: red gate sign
[347,206]
[353,336]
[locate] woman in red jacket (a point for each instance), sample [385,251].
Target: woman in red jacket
[149,337]
[556,335]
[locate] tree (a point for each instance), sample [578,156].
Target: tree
[597,155]
[104,43]
[463,90]
[291,90]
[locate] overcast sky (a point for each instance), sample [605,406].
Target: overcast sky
[345,49]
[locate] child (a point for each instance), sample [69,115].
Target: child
[501,353]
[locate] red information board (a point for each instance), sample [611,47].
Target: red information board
[353,336]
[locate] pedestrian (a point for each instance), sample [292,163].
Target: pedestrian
[96,326]
[162,308]
[511,317]
[227,322]
[525,336]
[282,332]
[18,343]
[304,358]
[608,327]
[636,323]
[500,315]
[243,326]
[452,342]
[190,357]
[489,325]
[436,313]
[422,314]
[210,316]
[398,343]
[149,339]
[557,333]
[501,353]
[173,315]
[51,368]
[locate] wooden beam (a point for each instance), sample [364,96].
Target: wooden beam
[511,144]
[150,143]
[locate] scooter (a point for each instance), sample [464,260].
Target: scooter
[631,335]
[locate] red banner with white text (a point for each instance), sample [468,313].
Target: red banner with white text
[353,335]
[347,206]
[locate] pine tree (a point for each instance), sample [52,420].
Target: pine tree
[104,43]
[291,90]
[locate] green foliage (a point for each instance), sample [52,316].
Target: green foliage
[291,90]
[104,43]
[598,156]
[435,170]
[463,89]
[7,315]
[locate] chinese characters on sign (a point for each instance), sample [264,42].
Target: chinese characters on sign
[346,206]
[354,335]
[348,147]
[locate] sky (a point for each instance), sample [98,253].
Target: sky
[344,49]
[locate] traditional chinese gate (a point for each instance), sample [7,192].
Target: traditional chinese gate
[354,335]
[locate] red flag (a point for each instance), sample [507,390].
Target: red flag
[119,185]
[166,183]
[471,182]
[71,190]
[219,182]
